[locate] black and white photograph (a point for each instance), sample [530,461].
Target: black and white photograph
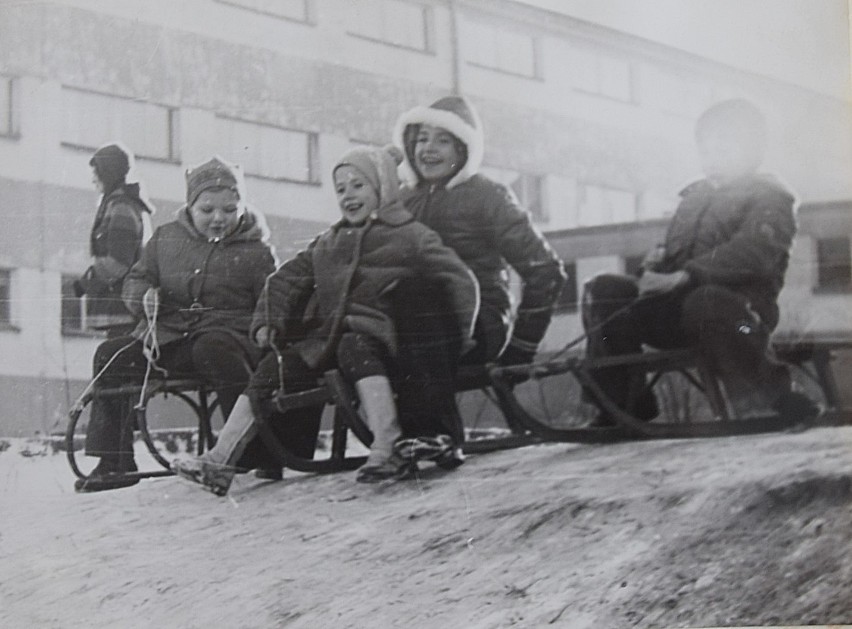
[371,314]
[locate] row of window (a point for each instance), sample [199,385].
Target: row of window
[500,47]
[91,119]
[834,273]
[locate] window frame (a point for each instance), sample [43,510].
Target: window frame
[172,128]
[66,290]
[823,267]
[428,16]
[582,190]
[599,92]
[7,316]
[537,72]
[313,157]
[10,129]
[500,173]
[308,12]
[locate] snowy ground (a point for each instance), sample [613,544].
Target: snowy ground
[740,531]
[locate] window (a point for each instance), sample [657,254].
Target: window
[503,49]
[602,75]
[397,22]
[267,151]
[91,120]
[8,126]
[73,308]
[601,205]
[834,266]
[675,94]
[527,187]
[297,10]
[5,298]
[569,296]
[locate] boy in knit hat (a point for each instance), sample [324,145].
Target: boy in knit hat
[715,281]
[349,274]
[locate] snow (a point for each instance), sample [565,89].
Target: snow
[735,531]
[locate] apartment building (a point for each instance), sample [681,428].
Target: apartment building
[592,129]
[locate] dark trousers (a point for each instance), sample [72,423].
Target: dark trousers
[427,362]
[215,357]
[715,320]
[296,429]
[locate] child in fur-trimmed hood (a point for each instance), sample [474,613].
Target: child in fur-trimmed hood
[482,222]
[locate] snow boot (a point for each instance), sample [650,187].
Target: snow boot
[213,477]
[379,410]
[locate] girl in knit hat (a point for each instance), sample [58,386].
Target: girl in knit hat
[201,274]
[122,225]
[333,305]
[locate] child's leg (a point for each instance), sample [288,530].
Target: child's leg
[362,361]
[215,469]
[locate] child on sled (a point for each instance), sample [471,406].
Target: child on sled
[332,306]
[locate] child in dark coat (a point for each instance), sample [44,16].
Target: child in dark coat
[714,284]
[482,221]
[333,305]
[205,270]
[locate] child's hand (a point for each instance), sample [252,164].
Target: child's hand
[653,258]
[151,302]
[264,336]
[656,283]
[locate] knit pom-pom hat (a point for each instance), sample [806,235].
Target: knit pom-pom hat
[455,114]
[213,174]
[379,166]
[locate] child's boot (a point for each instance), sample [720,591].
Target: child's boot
[211,476]
[378,405]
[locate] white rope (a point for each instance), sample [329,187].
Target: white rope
[150,343]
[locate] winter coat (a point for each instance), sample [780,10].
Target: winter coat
[204,285]
[481,220]
[115,244]
[349,273]
[736,235]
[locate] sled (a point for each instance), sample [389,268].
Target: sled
[194,393]
[811,357]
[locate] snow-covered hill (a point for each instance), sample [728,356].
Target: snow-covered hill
[738,531]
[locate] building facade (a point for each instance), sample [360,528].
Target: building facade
[591,128]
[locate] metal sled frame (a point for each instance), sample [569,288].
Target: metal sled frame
[193,392]
[812,357]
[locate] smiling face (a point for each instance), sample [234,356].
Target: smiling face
[355,196]
[436,154]
[216,212]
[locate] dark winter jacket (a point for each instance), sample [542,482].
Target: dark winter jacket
[481,220]
[349,273]
[203,285]
[115,244]
[737,235]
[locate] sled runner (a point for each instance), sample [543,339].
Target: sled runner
[811,358]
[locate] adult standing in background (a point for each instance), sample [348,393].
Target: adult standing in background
[122,225]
